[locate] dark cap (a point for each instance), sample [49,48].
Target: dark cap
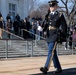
[52,3]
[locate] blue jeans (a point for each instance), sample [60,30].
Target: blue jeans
[50,57]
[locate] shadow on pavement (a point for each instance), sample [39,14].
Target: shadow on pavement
[71,71]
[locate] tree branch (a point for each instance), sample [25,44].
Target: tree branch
[63,2]
[66,1]
[73,9]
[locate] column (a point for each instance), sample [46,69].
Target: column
[4,8]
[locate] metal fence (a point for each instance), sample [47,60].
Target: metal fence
[20,47]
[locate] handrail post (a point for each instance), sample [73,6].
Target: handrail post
[10,43]
[57,49]
[11,36]
[35,40]
[22,33]
[72,47]
[32,49]
[6,49]
[26,47]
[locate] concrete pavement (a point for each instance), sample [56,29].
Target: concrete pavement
[31,65]
[71,71]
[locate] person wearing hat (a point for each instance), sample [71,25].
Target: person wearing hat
[53,20]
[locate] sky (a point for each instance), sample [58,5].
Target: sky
[60,3]
[46,1]
[42,1]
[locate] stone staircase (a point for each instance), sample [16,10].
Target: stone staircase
[11,51]
[17,48]
[60,48]
[21,46]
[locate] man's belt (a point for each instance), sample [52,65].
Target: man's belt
[51,27]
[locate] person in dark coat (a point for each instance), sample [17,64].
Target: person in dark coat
[1,26]
[17,17]
[53,20]
[24,27]
[16,26]
[8,17]
[9,27]
[33,29]
[28,26]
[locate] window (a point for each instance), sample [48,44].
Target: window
[12,9]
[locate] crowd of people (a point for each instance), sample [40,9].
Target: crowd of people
[71,38]
[34,25]
[15,25]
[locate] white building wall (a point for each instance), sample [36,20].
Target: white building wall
[3,8]
[26,8]
[22,7]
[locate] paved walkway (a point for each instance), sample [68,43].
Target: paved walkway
[31,65]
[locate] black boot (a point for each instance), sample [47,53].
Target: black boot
[44,70]
[58,71]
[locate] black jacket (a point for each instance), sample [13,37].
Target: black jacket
[56,21]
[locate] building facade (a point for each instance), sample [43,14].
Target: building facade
[14,7]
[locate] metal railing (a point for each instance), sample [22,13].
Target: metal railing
[29,45]
[34,35]
[12,34]
[58,46]
[67,49]
[9,42]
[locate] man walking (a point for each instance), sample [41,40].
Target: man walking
[54,19]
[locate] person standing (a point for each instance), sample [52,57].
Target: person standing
[1,25]
[24,27]
[74,38]
[54,19]
[8,16]
[38,30]
[33,29]
[16,27]
[28,27]
[17,17]
[9,27]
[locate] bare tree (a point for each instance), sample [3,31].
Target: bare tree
[33,5]
[69,9]
[41,10]
[66,6]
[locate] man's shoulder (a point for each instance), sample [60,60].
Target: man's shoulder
[59,13]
